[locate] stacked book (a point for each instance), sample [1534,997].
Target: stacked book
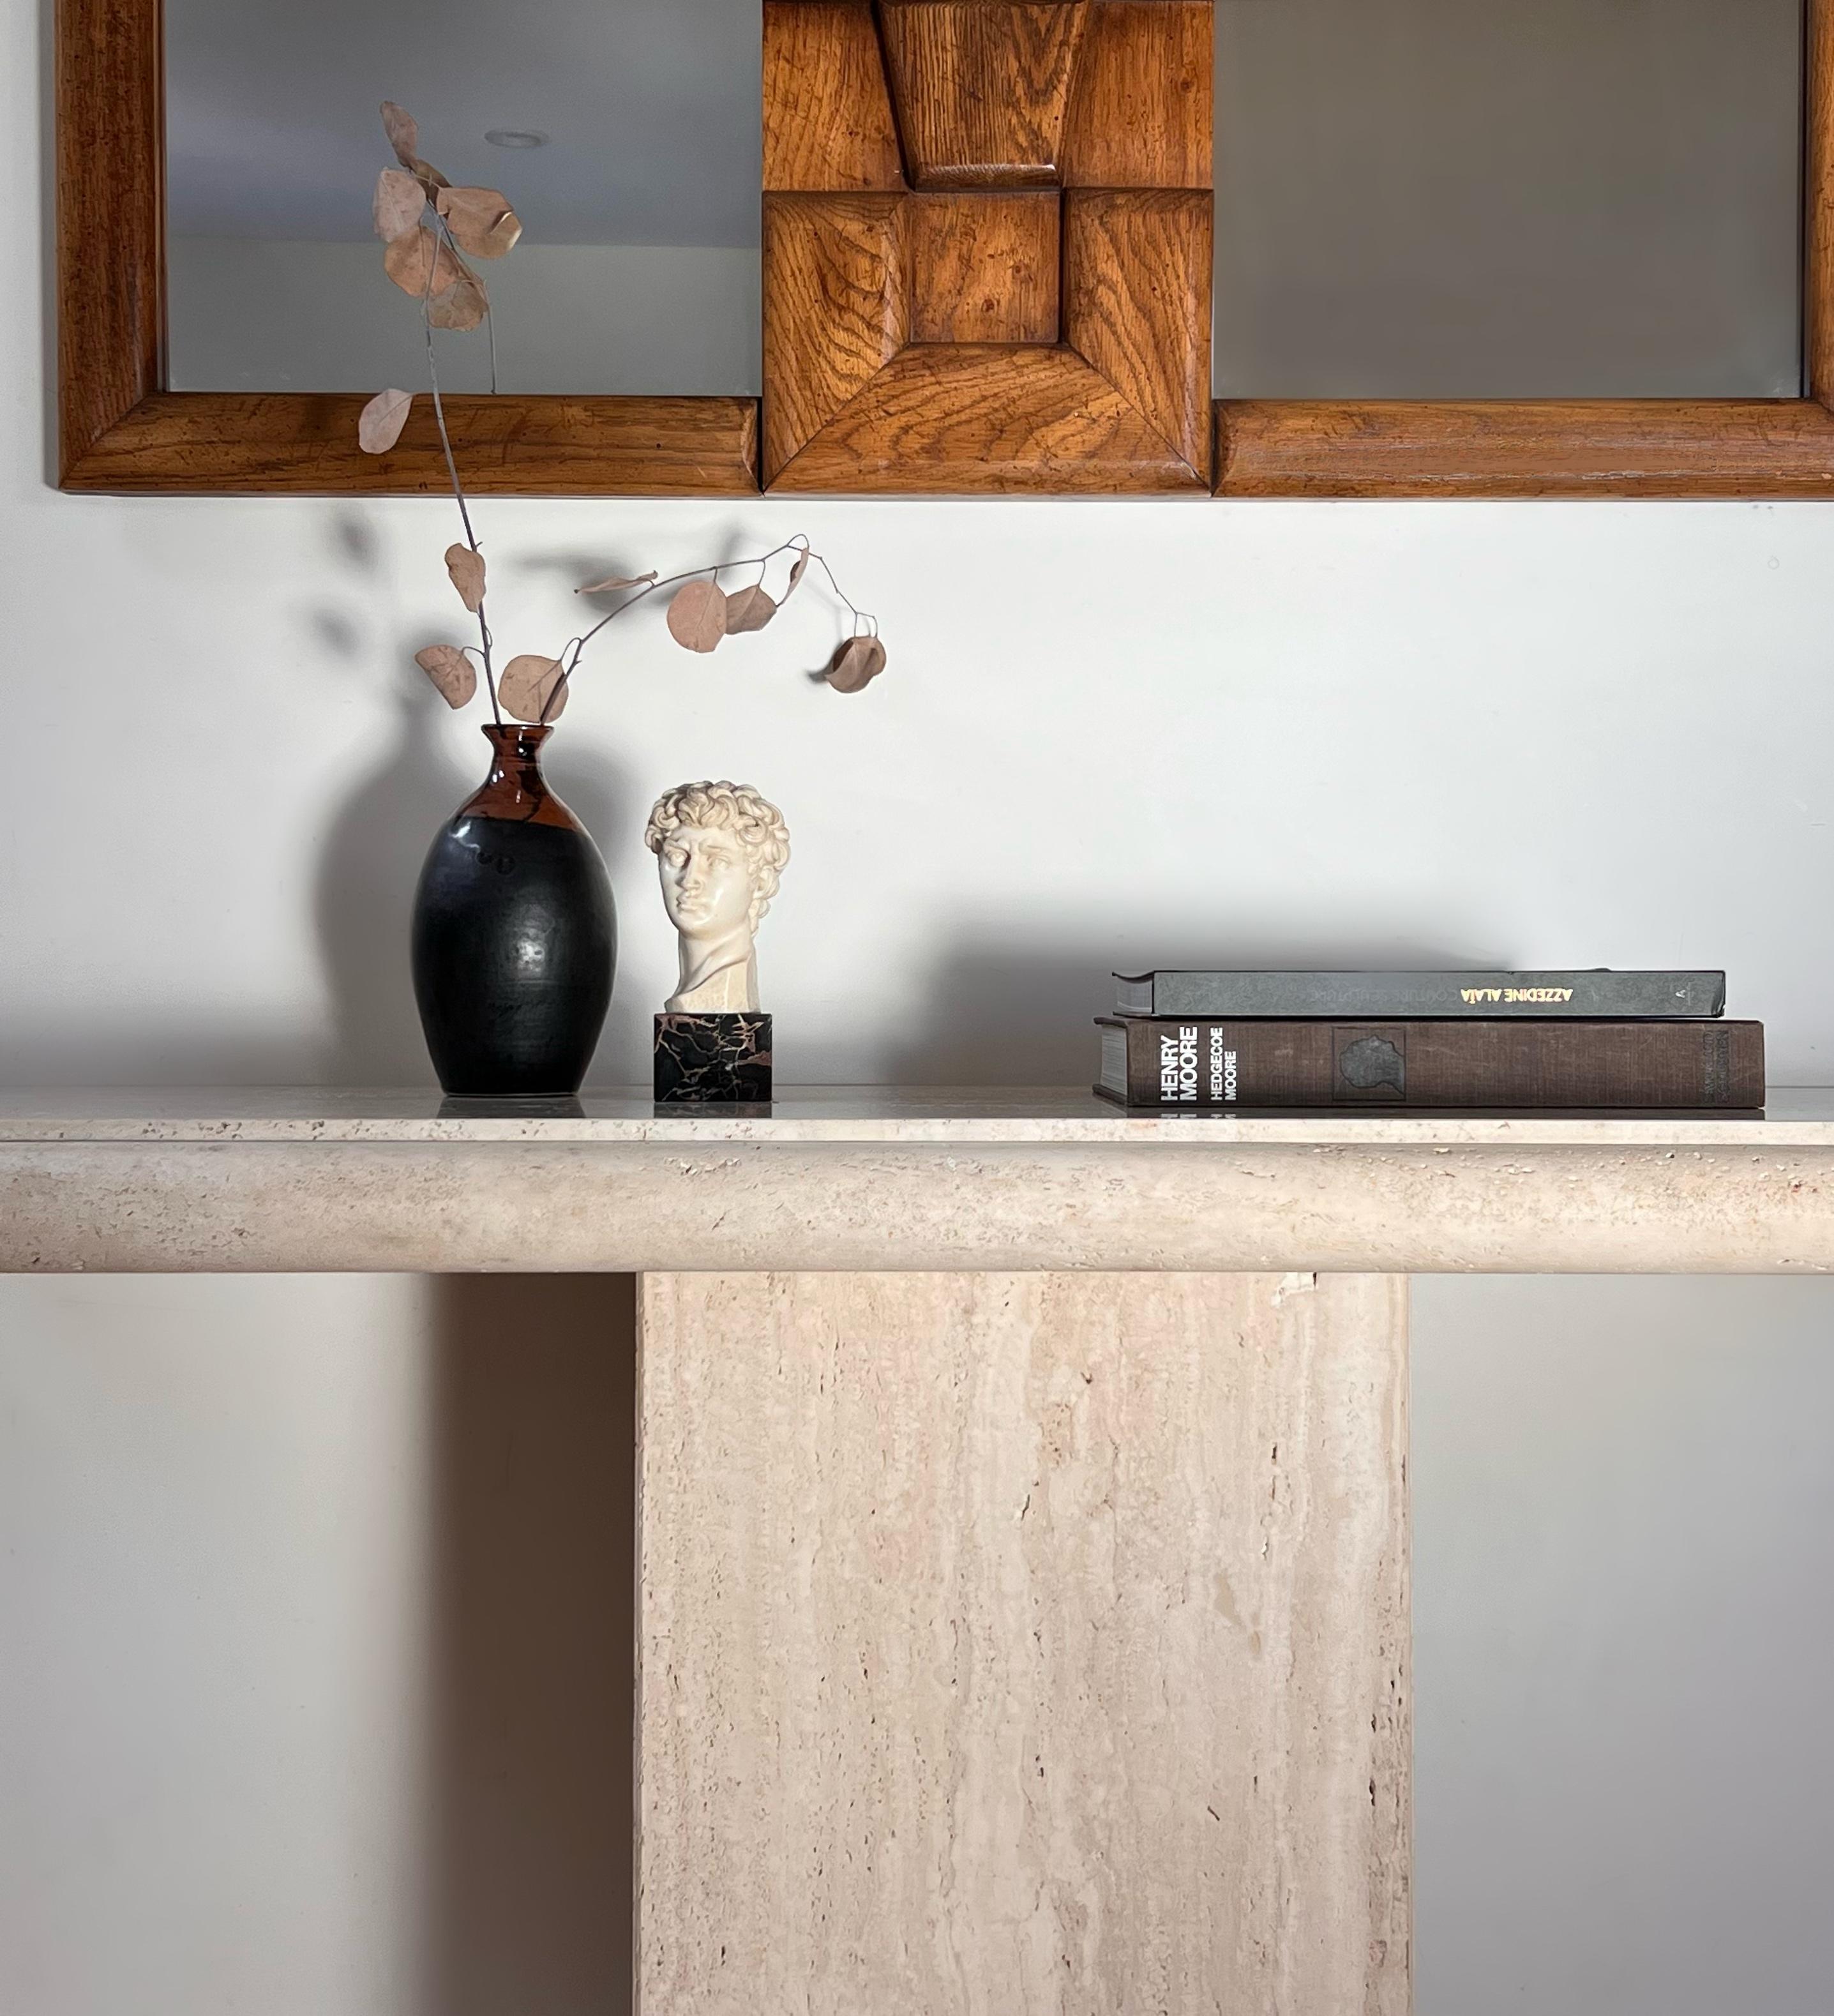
[1599,1041]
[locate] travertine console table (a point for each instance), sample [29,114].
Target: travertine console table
[1022,1486]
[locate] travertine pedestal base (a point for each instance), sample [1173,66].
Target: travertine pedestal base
[1023,1642]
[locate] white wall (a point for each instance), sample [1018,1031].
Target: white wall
[314,1657]
[1622,1646]
[1110,734]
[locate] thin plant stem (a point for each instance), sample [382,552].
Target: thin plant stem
[439,415]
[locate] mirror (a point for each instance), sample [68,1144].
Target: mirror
[1526,199]
[627,137]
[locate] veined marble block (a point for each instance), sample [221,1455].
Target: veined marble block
[713,1059]
[1023,1642]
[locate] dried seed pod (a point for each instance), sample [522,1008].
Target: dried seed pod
[404,134]
[398,204]
[697,616]
[856,664]
[748,608]
[467,570]
[451,671]
[380,424]
[480,219]
[531,688]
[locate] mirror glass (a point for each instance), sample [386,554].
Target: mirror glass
[626,134]
[1518,198]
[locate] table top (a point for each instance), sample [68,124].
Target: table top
[944,1116]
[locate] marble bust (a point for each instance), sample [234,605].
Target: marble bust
[719,848]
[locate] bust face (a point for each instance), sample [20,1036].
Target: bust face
[706,881]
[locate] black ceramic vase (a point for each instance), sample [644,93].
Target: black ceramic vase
[515,936]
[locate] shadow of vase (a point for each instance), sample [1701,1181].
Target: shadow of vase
[368,868]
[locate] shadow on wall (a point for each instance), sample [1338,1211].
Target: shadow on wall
[530,1730]
[997,1014]
[378,837]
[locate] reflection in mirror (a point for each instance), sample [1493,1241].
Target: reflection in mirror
[626,136]
[1526,199]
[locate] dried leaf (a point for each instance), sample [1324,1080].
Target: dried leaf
[617,581]
[398,204]
[480,219]
[463,305]
[408,258]
[748,608]
[467,570]
[404,134]
[525,685]
[451,671]
[380,424]
[431,180]
[797,572]
[697,616]
[856,664]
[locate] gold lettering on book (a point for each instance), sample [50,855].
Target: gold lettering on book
[1477,997]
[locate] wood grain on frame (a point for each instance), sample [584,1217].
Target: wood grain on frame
[305,444]
[827,118]
[1525,448]
[984,267]
[120,429]
[943,419]
[975,335]
[981,88]
[110,216]
[1140,112]
[1817,203]
[835,308]
[1137,266]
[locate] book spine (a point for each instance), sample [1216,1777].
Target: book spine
[1370,996]
[1196,1064]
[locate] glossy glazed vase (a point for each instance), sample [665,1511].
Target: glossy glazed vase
[515,937]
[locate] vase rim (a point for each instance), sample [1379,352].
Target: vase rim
[509,732]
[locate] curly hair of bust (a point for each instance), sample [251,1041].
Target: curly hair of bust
[737,809]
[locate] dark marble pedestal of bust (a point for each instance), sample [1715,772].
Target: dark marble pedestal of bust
[703,1059]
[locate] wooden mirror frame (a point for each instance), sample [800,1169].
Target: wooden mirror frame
[968,289]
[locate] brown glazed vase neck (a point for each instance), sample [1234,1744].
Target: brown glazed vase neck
[516,788]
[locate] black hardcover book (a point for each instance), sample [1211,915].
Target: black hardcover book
[1197,1064]
[1385,996]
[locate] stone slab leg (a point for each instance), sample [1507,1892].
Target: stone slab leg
[1023,1642]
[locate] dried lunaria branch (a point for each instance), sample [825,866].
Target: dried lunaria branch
[426,225]
[702,615]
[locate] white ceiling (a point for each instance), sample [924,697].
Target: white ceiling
[652,107]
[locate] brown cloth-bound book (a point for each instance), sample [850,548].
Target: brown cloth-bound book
[1166,1064]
